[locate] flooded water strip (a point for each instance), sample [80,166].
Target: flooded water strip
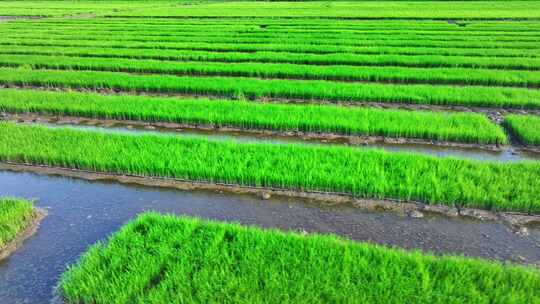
[82,212]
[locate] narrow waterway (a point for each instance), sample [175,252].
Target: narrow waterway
[83,212]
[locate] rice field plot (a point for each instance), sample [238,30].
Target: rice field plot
[435,74]
[235,264]
[357,172]
[525,127]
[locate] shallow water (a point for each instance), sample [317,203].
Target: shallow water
[83,212]
[510,155]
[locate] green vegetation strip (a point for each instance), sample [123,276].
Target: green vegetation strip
[464,76]
[162,258]
[355,10]
[15,215]
[525,127]
[412,60]
[244,34]
[270,47]
[306,43]
[459,127]
[358,172]
[278,88]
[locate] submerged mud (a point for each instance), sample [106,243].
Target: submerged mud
[83,212]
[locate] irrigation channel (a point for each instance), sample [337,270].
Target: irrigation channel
[507,155]
[82,212]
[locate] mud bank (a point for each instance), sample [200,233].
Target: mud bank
[31,228]
[514,219]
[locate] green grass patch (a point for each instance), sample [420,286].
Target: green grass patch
[15,215]
[358,172]
[278,88]
[525,127]
[459,127]
[167,259]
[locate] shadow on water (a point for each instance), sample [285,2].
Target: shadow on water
[83,212]
[509,155]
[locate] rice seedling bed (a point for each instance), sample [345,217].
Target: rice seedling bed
[432,10]
[247,35]
[171,258]
[15,216]
[368,59]
[525,127]
[357,172]
[461,76]
[477,96]
[299,48]
[455,127]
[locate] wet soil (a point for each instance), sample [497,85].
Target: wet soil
[83,212]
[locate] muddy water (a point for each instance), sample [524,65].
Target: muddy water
[82,212]
[508,155]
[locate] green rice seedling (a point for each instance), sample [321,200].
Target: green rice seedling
[459,127]
[400,10]
[407,60]
[277,88]
[284,71]
[15,215]
[525,127]
[269,47]
[361,173]
[167,259]
[308,45]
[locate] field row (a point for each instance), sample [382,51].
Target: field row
[532,64]
[256,47]
[208,262]
[258,32]
[467,26]
[255,44]
[458,127]
[525,128]
[479,10]
[354,10]
[239,87]
[462,76]
[358,172]
[463,26]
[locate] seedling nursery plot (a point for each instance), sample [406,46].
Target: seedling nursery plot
[426,111]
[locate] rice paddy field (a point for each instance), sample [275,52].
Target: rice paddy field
[428,110]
